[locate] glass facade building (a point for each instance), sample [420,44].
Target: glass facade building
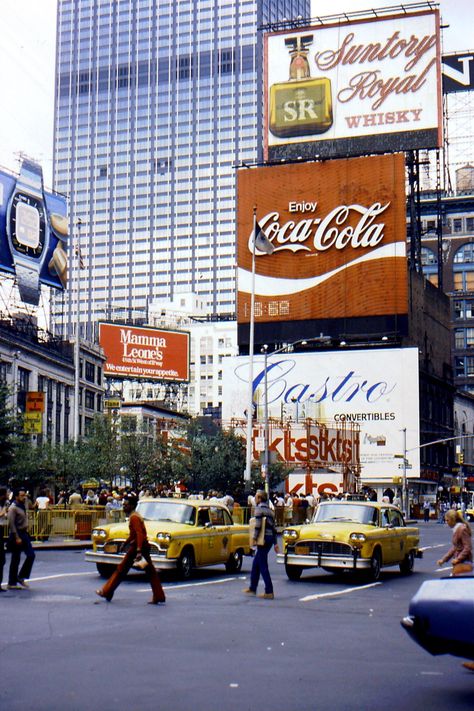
[157,102]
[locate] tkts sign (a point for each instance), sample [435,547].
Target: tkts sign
[338,232]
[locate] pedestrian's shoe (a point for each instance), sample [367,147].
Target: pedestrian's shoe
[469,665]
[2,589]
[249,591]
[23,583]
[101,594]
[267,596]
[14,587]
[156,602]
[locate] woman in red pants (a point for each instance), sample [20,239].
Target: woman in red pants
[139,548]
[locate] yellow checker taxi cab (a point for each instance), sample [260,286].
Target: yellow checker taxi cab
[351,535]
[183,535]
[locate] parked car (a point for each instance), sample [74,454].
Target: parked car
[441,616]
[351,535]
[183,535]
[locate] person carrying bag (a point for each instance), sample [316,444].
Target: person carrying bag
[263,538]
[460,552]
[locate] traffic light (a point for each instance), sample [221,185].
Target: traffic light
[461,457]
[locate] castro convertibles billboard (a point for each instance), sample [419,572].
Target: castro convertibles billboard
[352,88]
[142,352]
[376,389]
[338,229]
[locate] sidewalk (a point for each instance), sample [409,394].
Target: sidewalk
[56,544]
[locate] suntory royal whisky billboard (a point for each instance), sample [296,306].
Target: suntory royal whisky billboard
[353,88]
[338,230]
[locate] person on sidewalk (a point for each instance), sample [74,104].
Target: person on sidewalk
[138,548]
[263,512]
[19,540]
[3,526]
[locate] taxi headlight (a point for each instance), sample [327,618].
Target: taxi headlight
[99,533]
[164,537]
[357,538]
[290,534]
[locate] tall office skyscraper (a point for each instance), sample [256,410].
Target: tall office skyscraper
[157,101]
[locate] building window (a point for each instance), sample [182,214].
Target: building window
[428,257]
[90,371]
[89,399]
[457,224]
[464,281]
[469,224]
[465,254]
[464,367]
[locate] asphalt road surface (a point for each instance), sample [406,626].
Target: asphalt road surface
[325,642]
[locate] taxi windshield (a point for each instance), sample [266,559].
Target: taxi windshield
[167,511]
[346,512]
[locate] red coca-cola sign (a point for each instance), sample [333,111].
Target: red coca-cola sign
[338,231]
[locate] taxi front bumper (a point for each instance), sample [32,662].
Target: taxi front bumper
[159,561]
[325,560]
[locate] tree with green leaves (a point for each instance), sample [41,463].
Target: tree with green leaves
[7,435]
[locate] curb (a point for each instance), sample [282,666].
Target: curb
[61,545]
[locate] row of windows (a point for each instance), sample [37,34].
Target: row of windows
[463,255]
[167,69]
[451,225]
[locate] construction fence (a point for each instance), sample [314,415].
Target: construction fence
[61,522]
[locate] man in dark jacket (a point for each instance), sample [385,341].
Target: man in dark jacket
[263,517]
[19,541]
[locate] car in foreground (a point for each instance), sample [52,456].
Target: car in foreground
[183,535]
[351,535]
[441,616]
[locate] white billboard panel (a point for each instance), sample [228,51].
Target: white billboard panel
[356,87]
[377,389]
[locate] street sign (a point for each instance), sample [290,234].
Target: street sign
[34,402]
[33,423]
[406,466]
[112,404]
[259,444]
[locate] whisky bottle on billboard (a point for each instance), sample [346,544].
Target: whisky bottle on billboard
[302,105]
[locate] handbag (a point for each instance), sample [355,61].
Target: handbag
[140,564]
[261,533]
[462,568]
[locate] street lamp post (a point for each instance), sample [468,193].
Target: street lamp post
[266,454]
[248,460]
[77,335]
[266,438]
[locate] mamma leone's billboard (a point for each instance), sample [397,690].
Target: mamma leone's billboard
[375,389]
[338,230]
[355,87]
[148,353]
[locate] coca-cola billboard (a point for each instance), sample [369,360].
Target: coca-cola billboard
[338,232]
[354,87]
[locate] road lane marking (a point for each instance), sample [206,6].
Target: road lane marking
[338,592]
[60,575]
[195,585]
[429,548]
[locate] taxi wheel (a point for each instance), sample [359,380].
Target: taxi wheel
[105,570]
[293,571]
[375,565]
[407,564]
[186,564]
[234,564]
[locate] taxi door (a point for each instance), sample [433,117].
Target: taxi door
[388,537]
[219,535]
[399,536]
